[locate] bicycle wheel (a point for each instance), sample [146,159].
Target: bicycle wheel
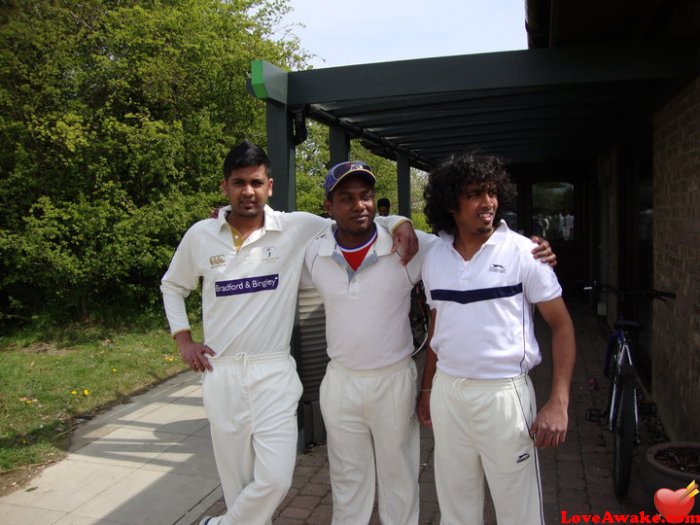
[624,438]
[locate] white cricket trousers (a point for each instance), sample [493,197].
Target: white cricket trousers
[370,421]
[251,402]
[483,428]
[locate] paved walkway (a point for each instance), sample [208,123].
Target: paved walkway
[150,462]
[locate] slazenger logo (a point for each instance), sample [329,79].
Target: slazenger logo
[216,260]
[497,268]
[246,285]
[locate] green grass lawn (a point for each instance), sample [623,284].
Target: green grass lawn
[47,385]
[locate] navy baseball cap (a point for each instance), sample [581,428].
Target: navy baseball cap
[344,169]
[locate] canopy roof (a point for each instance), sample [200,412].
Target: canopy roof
[538,105]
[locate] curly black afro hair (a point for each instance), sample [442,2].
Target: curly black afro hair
[449,179]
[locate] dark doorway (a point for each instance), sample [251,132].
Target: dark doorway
[551,204]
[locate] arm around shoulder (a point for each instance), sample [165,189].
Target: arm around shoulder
[405,240]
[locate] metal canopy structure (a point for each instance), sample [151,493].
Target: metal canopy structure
[543,105]
[531,106]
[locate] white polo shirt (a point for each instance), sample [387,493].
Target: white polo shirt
[249,296]
[367,325]
[484,327]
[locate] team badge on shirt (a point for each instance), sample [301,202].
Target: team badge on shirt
[497,268]
[216,260]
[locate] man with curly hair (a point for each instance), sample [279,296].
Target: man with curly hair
[481,284]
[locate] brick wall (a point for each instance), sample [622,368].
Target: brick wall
[676,333]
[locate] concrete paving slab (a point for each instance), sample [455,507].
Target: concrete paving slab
[172,418]
[147,497]
[128,447]
[74,519]
[21,515]
[193,456]
[67,485]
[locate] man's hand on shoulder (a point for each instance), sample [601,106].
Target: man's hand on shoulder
[543,251]
[405,241]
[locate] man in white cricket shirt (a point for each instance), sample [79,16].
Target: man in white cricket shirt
[481,284]
[250,260]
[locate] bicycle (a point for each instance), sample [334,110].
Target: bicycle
[624,392]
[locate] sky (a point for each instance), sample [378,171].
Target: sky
[347,32]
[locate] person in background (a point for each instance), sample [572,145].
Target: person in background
[249,259]
[383,206]
[481,284]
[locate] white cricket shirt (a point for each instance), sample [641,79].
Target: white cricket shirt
[484,327]
[249,296]
[367,324]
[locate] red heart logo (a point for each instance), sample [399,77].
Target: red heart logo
[673,505]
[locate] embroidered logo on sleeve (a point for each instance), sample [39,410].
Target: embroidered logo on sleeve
[246,285]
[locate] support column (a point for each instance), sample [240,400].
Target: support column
[403,173]
[339,144]
[281,150]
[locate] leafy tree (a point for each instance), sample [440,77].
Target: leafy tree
[114,117]
[311,166]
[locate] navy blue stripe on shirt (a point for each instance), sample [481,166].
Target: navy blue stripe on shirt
[473,296]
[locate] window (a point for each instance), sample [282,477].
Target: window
[553,210]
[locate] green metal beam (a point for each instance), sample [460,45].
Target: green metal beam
[268,82]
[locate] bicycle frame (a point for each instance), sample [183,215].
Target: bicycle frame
[624,398]
[624,371]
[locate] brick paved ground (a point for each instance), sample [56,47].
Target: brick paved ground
[576,477]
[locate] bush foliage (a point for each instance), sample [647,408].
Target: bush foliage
[115,116]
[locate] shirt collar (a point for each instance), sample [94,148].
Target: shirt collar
[328,243]
[271,222]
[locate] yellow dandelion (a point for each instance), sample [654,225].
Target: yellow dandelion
[86,392]
[74,392]
[114,370]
